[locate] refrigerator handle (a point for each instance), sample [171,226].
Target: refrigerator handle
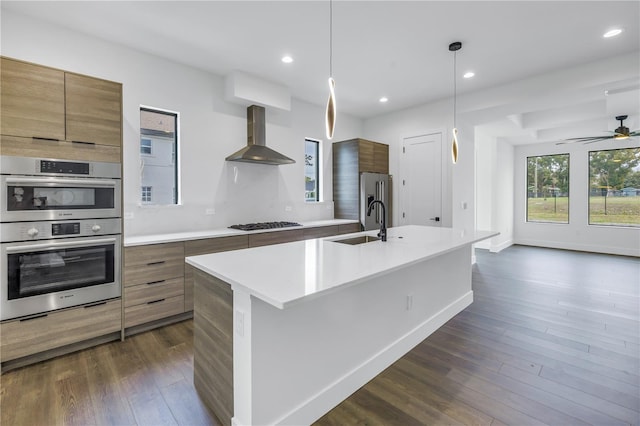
[382,193]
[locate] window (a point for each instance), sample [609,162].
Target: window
[614,187]
[146,194]
[311,170]
[145,146]
[159,156]
[548,188]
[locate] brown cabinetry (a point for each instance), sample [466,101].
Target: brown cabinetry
[52,113]
[208,245]
[350,158]
[93,108]
[154,282]
[60,328]
[32,100]
[276,237]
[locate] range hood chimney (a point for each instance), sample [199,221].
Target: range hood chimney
[256,150]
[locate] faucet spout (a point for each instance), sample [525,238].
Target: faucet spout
[383,224]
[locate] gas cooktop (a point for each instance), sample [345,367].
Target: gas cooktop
[264,225]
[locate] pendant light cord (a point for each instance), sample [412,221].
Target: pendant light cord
[455,54]
[330,38]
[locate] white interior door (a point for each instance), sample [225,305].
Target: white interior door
[421,180]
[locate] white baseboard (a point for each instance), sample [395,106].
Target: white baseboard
[496,248]
[336,392]
[580,247]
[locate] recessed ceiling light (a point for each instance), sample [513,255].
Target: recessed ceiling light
[612,33]
[469,74]
[384,99]
[287,59]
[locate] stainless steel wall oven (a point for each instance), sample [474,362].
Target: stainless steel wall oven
[60,234]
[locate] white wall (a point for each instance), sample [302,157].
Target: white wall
[494,189]
[577,234]
[210,129]
[393,128]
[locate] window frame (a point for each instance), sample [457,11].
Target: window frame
[146,191]
[554,189]
[318,170]
[177,182]
[144,146]
[608,188]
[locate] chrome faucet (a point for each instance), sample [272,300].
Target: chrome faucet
[383,224]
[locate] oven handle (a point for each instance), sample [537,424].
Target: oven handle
[80,182]
[58,245]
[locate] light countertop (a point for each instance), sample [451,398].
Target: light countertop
[284,274]
[139,240]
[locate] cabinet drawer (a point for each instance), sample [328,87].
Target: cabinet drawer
[144,264]
[40,333]
[277,237]
[319,232]
[349,228]
[161,289]
[153,310]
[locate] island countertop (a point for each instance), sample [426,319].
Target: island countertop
[285,274]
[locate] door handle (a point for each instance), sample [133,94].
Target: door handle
[437,218]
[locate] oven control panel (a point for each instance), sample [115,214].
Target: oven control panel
[32,231]
[64,167]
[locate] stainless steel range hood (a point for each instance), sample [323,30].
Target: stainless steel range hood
[256,150]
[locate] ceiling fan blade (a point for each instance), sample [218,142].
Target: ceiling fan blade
[584,140]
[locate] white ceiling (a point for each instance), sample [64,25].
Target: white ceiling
[397,49]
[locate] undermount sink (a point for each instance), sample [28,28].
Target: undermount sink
[358,240]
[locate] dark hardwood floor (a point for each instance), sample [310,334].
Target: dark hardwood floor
[552,338]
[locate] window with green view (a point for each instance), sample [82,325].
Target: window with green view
[614,187]
[548,188]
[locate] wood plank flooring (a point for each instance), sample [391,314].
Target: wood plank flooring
[552,338]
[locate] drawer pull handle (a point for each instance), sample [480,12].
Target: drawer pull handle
[155,301]
[155,282]
[34,317]
[156,263]
[37,138]
[84,143]
[95,304]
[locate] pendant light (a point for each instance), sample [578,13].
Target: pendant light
[454,47]
[330,120]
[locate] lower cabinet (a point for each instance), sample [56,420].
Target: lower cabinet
[204,246]
[153,282]
[40,333]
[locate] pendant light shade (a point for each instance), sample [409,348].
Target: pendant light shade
[331,109]
[454,47]
[330,119]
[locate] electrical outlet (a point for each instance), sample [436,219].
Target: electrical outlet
[409,302]
[128,215]
[210,211]
[288,208]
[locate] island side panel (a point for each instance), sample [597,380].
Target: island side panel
[213,344]
[320,351]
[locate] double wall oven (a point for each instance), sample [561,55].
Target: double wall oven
[60,234]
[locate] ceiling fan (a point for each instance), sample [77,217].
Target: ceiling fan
[620,133]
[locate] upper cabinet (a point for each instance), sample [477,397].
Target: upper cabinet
[32,100]
[43,103]
[93,110]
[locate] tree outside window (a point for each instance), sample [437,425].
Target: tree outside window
[614,187]
[548,188]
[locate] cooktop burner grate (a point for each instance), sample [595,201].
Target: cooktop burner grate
[263,225]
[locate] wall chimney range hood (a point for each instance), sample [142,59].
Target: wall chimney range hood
[256,150]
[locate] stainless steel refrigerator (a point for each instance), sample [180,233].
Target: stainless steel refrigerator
[374,186]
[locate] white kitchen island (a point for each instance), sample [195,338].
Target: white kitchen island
[284,333]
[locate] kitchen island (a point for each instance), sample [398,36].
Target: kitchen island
[284,333]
